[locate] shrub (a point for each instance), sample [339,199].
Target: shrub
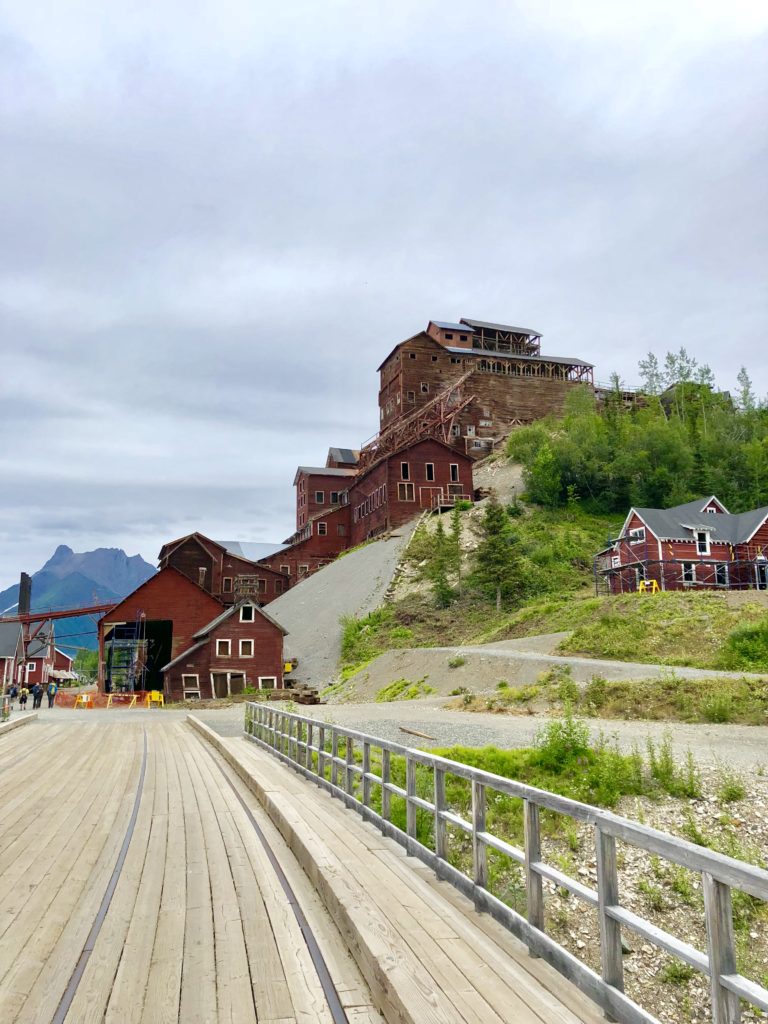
[717,709]
[747,648]
[502,685]
[731,786]
[457,692]
[457,662]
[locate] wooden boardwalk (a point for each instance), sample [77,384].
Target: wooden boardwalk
[198,928]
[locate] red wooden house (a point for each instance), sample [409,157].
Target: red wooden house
[11,653]
[319,488]
[696,545]
[151,627]
[425,474]
[221,571]
[40,657]
[240,648]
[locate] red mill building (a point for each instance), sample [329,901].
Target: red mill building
[495,373]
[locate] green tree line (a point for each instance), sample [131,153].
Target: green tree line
[680,440]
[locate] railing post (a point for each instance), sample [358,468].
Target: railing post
[366,772]
[349,775]
[321,751]
[441,832]
[608,896]
[334,758]
[386,774]
[479,849]
[410,790]
[534,888]
[308,749]
[722,953]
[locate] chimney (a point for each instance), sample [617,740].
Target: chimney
[25,594]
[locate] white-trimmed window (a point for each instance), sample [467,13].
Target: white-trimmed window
[248,612]
[190,684]
[429,470]
[405,471]
[267,682]
[456,430]
[454,472]
[424,387]
[303,570]
[320,497]
[637,536]
[702,542]
[711,509]
[689,572]
[721,573]
[334,497]
[406,492]
[246,648]
[226,585]
[322,529]
[615,561]
[223,648]
[286,569]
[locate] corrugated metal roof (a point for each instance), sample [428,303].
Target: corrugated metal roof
[500,327]
[453,327]
[565,360]
[349,455]
[10,633]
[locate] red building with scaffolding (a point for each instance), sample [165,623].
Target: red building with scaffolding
[697,545]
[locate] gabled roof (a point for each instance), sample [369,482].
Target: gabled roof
[152,581]
[202,540]
[201,634]
[38,647]
[681,521]
[349,456]
[10,638]
[184,654]
[421,336]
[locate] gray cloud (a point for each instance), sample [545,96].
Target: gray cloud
[217,223]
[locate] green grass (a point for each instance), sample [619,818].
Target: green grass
[403,689]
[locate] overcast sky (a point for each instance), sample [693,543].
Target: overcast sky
[218,218]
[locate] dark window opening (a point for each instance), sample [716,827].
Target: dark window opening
[430,469]
[405,471]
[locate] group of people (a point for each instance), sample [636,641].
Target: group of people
[23,693]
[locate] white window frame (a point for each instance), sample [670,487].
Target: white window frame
[615,561]
[405,471]
[471,430]
[688,573]
[711,510]
[456,430]
[303,570]
[285,569]
[322,529]
[251,609]
[224,654]
[262,680]
[334,497]
[224,588]
[429,472]
[187,689]
[319,497]
[455,472]
[253,648]
[424,387]
[637,535]
[707,541]
[722,567]
[402,488]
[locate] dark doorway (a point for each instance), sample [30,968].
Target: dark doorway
[220,684]
[135,654]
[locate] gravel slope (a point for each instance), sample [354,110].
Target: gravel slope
[352,585]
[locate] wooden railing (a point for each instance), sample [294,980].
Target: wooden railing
[313,748]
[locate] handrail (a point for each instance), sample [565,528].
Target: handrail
[312,747]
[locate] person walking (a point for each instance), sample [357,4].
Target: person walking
[52,691]
[37,696]
[13,693]
[23,698]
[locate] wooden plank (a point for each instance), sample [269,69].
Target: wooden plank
[83,888]
[126,996]
[163,992]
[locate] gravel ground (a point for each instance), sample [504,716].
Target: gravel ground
[352,585]
[743,746]
[484,666]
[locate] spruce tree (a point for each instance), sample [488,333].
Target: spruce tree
[497,569]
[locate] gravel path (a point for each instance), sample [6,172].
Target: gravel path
[740,745]
[352,585]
